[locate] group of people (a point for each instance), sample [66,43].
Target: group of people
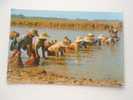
[33,41]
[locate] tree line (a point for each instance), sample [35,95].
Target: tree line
[67,24]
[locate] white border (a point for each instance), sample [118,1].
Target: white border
[50,92]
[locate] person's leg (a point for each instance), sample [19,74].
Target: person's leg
[36,59]
[95,42]
[43,51]
[81,44]
[46,52]
[29,48]
[36,50]
[76,47]
[112,40]
[61,51]
[99,42]
[20,62]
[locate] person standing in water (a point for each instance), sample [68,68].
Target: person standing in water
[43,43]
[114,35]
[15,49]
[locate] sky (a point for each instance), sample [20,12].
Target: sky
[69,14]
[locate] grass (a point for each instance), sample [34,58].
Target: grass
[66,24]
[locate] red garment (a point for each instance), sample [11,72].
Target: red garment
[32,59]
[30,62]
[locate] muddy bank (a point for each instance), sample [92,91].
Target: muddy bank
[42,75]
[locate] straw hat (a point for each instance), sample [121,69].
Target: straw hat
[14,34]
[34,32]
[44,36]
[90,34]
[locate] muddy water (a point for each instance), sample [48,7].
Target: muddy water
[97,62]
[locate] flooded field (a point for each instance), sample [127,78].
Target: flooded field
[96,62]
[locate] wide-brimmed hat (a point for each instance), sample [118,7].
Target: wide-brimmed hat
[44,36]
[34,32]
[14,34]
[90,34]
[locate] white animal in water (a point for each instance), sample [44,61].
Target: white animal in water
[57,48]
